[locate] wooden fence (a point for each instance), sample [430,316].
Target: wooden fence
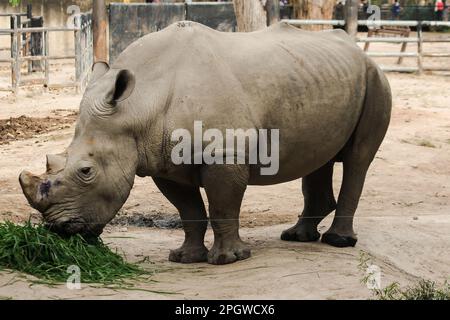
[419,54]
[83,53]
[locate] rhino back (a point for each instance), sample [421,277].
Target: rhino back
[310,85]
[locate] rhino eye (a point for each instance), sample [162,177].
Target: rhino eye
[85,170]
[86,174]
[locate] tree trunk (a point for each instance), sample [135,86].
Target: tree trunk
[250,15]
[314,10]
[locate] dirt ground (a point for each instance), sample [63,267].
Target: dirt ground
[403,220]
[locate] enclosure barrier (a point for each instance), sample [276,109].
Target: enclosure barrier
[82,31]
[83,40]
[144,18]
[419,40]
[25,20]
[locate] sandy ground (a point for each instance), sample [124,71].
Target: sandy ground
[403,220]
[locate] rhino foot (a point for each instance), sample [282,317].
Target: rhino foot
[231,253]
[339,241]
[189,254]
[301,232]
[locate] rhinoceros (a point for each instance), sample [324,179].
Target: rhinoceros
[329,101]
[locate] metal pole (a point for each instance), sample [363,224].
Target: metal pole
[29,11]
[99,20]
[27,37]
[351,17]
[18,36]
[272,11]
[47,62]
[14,54]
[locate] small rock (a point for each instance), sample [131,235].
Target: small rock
[415,218]
[124,229]
[10,136]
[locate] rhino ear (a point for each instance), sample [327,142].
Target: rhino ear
[98,70]
[121,85]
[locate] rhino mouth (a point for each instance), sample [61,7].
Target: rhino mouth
[72,226]
[65,227]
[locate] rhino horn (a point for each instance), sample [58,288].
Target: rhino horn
[55,162]
[36,190]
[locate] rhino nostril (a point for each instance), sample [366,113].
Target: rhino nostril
[44,188]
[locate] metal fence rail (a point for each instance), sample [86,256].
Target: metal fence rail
[82,31]
[298,23]
[419,40]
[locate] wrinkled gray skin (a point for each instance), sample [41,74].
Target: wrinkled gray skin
[330,102]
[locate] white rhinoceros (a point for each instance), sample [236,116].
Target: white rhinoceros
[329,102]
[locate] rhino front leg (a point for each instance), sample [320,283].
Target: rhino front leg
[189,203]
[225,186]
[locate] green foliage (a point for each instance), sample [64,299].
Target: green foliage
[422,290]
[14,3]
[35,250]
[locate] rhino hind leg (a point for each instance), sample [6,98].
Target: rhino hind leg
[358,154]
[189,203]
[319,201]
[225,186]
[341,233]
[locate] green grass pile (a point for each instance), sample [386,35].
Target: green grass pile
[422,290]
[34,250]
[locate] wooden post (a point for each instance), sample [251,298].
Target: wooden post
[404,44]
[37,42]
[18,61]
[15,53]
[99,20]
[419,48]
[351,17]
[369,34]
[47,62]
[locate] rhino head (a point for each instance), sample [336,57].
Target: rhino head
[84,187]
